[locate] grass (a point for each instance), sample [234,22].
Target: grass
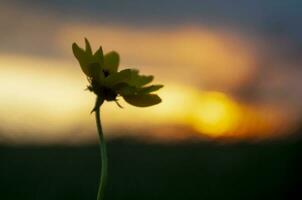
[199,170]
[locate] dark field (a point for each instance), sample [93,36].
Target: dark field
[200,170]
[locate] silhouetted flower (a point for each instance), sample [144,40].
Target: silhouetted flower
[108,83]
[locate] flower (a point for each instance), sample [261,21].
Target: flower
[108,83]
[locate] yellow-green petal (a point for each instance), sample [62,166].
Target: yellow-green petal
[125,89]
[116,78]
[142,100]
[88,47]
[139,80]
[94,71]
[111,61]
[90,64]
[99,56]
[149,89]
[83,59]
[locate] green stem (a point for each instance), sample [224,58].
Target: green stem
[102,144]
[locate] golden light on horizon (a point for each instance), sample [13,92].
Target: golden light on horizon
[45,94]
[41,98]
[215,114]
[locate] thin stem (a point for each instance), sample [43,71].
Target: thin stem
[102,144]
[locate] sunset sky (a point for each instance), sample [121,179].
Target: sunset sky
[229,69]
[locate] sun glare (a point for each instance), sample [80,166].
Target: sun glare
[215,114]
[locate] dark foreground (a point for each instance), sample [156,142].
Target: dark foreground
[200,170]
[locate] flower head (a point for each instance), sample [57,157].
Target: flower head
[108,83]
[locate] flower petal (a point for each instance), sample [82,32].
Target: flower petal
[91,64]
[142,100]
[88,47]
[125,89]
[149,89]
[116,78]
[99,56]
[83,59]
[139,80]
[111,61]
[95,71]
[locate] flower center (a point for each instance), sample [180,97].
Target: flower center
[109,94]
[104,92]
[106,73]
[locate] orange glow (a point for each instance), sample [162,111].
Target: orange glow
[195,55]
[215,114]
[42,94]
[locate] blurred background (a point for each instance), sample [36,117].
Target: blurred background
[229,126]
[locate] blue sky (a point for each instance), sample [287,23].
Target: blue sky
[256,15]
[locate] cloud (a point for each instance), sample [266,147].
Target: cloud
[24,31]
